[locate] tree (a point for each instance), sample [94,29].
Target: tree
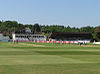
[87,29]
[68,29]
[37,28]
[21,26]
[8,26]
[97,32]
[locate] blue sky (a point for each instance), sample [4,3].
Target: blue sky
[75,13]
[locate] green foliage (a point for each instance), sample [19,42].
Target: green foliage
[52,28]
[29,26]
[97,32]
[37,28]
[7,27]
[87,29]
[60,28]
[10,26]
[45,34]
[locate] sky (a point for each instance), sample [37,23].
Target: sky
[75,13]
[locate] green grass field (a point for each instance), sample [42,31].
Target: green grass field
[37,58]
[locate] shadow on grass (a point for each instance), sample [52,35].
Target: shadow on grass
[48,53]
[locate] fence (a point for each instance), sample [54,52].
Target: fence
[47,41]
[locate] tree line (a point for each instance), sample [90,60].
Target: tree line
[8,27]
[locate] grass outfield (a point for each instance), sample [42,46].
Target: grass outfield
[39,58]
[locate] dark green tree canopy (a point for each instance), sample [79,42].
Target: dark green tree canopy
[97,32]
[37,28]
